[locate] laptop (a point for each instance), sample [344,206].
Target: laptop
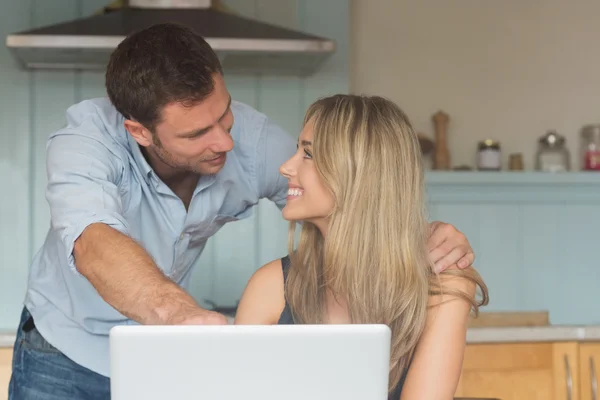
[247,362]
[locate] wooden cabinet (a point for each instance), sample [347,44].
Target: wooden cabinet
[589,367]
[5,369]
[531,371]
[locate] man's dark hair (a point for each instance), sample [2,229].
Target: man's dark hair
[158,65]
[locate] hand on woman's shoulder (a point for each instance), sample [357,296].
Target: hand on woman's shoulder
[263,299]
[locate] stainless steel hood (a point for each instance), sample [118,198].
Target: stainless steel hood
[243,45]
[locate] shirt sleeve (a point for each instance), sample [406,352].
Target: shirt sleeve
[275,148]
[83,179]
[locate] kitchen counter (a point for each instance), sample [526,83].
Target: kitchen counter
[7,339]
[550,333]
[484,335]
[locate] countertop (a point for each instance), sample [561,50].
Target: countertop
[7,339]
[551,333]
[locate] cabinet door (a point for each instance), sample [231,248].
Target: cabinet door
[589,367]
[5,370]
[532,371]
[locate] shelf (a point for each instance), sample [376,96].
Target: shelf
[511,178]
[513,187]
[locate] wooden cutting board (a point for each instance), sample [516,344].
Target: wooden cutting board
[504,319]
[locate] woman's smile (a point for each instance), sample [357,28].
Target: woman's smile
[294,192]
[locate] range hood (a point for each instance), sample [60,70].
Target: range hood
[243,45]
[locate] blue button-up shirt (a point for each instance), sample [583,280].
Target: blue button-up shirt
[96,173]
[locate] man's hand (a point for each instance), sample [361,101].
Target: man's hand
[201,317]
[448,246]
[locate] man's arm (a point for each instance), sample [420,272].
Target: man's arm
[86,211]
[126,277]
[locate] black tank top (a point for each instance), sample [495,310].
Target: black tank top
[286,318]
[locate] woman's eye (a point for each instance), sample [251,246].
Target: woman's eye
[307,154]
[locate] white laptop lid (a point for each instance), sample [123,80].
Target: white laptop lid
[277,362]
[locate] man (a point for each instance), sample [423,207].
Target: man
[136,185]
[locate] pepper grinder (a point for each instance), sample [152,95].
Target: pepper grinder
[441,158]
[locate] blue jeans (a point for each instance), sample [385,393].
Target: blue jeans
[42,372]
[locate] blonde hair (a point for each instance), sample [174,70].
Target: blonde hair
[374,256]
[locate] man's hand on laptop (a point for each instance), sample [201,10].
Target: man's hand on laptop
[175,306]
[200,317]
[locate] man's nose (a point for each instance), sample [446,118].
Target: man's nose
[222,141]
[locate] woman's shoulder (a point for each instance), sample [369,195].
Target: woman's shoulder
[274,270]
[263,299]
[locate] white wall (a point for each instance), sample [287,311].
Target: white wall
[506,69]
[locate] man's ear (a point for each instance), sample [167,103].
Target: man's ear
[141,135]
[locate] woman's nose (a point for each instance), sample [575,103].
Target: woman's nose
[287,168]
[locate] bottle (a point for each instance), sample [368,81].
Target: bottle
[590,148]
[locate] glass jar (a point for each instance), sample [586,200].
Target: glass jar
[552,155]
[590,148]
[515,162]
[489,156]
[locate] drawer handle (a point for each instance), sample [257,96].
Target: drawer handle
[569,379]
[593,379]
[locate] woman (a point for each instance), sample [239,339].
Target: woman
[357,183]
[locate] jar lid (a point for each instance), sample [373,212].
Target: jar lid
[591,131]
[552,139]
[489,144]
